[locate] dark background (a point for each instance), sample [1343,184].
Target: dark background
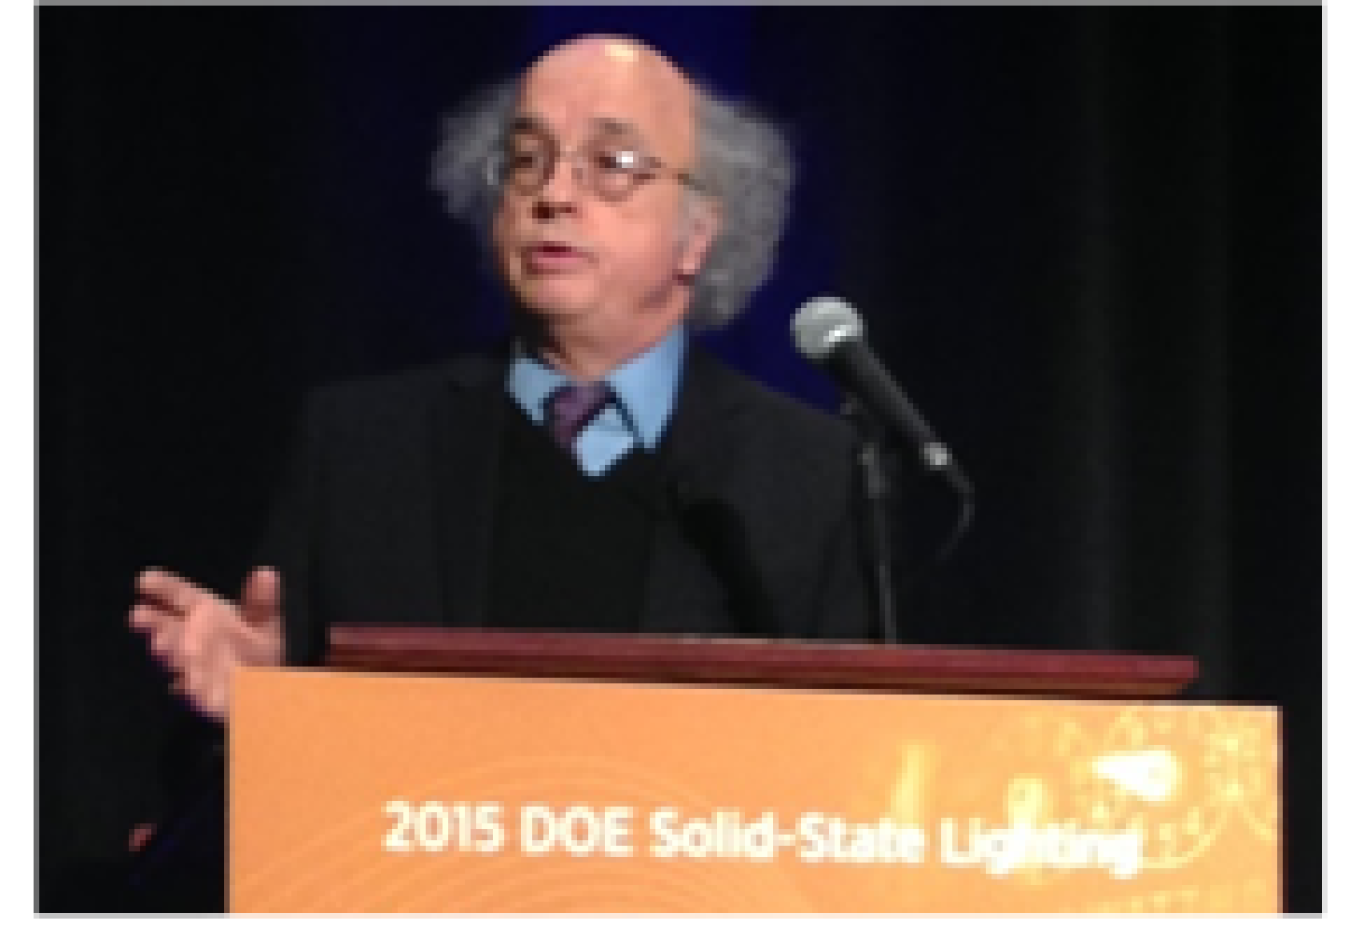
[1087,241]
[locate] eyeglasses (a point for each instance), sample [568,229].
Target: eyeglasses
[612,169]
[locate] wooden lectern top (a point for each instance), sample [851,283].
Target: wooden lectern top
[775,663]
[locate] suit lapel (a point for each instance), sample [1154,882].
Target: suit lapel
[465,452]
[706,444]
[704,437]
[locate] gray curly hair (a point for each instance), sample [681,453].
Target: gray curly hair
[743,162]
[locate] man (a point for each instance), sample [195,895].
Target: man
[609,475]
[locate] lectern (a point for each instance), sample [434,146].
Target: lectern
[432,770]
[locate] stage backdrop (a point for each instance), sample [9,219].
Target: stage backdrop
[1086,241]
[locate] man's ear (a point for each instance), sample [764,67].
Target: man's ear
[700,233]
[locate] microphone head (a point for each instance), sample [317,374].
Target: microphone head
[822,324]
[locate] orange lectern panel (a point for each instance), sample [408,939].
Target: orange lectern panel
[356,793]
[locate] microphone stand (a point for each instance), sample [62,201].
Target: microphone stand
[870,454]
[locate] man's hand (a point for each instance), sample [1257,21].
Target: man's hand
[202,637]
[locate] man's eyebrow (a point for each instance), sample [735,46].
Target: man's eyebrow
[615,126]
[527,122]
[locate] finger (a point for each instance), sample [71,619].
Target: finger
[191,696]
[260,600]
[212,647]
[258,645]
[216,703]
[201,689]
[162,632]
[179,687]
[152,620]
[169,590]
[164,645]
[201,630]
[189,682]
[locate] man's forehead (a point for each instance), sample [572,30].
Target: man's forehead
[526,122]
[607,80]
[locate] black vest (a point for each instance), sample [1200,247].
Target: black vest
[570,552]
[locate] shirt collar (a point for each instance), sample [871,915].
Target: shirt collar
[645,386]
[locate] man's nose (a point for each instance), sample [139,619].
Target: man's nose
[561,190]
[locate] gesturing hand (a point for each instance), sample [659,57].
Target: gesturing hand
[202,637]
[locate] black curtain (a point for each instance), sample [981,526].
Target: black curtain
[1088,241]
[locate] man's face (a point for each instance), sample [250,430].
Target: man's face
[574,257]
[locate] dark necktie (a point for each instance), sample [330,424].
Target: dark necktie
[571,409]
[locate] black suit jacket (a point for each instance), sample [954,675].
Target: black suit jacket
[386,515]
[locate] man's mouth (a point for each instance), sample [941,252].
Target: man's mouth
[548,257]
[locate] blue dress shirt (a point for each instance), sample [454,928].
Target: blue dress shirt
[644,398]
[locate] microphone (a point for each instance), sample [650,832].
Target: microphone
[829,332]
